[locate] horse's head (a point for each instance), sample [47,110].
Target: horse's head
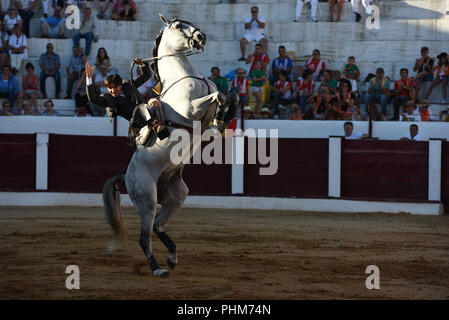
[183,35]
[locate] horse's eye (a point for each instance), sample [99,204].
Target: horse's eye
[179,26]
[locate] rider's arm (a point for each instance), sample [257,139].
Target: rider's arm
[92,95]
[146,74]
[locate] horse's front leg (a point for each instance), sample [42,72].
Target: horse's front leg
[201,105]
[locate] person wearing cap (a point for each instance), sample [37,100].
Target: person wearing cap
[379,90]
[248,113]
[441,75]
[424,110]
[403,89]
[414,135]
[266,113]
[424,69]
[411,112]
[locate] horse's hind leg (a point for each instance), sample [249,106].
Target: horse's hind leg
[172,195]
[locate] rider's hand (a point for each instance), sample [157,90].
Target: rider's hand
[139,62]
[89,70]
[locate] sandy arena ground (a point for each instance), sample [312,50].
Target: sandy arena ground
[226,255]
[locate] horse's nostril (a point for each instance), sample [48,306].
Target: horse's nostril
[200,37]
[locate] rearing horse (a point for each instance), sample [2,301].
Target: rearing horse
[151,177]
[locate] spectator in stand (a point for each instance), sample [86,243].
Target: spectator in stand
[322,102]
[350,134]
[81,100]
[101,8]
[18,52]
[255,25]
[81,112]
[4,41]
[414,135]
[50,64]
[241,83]
[374,113]
[281,63]
[8,85]
[124,10]
[356,4]
[316,65]
[101,77]
[403,89]
[424,111]
[6,109]
[424,69]
[258,80]
[103,59]
[304,89]
[27,109]
[441,76]
[76,63]
[352,73]
[331,9]
[10,20]
[49,109]
[331,82]
[282,93]
[258,55]
[87,31]
[26,12]
[296,113]
[54,26]
[30,86]
[220,82]
[266,113]
[411,112]
[345,101]
[300,4]
[248,113]
[379,90]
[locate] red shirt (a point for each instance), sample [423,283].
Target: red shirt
[313,65]
[261,57]
[409,82]
[301,85]
[242,84]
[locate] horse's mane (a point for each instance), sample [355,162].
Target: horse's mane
[154,67]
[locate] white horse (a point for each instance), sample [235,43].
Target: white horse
[151,177]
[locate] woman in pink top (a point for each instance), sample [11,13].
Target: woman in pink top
[124,10]
[30,85]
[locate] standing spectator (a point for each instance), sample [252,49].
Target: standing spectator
[103,59]
[350,134]
[403,89]
[8,85]
[424,69]
[379,90]
[124,10]
[255,25]
[6,109]
[54,26]
[316,65]
[101,9]
[283,62]
[10,20]
[49,109]
[441,76]
[304,89]
[331,9]
[258,80]
[30,86]
[88,31]
[220,82]
[50,64]
[282,93]
[77,61]
[411,112]
[4,41]
[356,4]
[241,83]
[424,111]
[414,135]
[352,73]
[17,49]
[258,55]
[300,4]
[26,12]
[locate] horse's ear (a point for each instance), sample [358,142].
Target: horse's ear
[164,20]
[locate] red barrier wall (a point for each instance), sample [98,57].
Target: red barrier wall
[380,169]
[445,176]
[17,162]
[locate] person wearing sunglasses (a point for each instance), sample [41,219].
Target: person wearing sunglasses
[316,65]
[255,25]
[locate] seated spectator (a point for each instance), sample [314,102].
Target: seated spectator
[345,101]
[403,90]
[411,112]
[296,113]
[103,59]
[316,65]
[220,82]
[10,20]
[248,113]
[258,80]
[81,112]
[50,64]
[54,26]
[241,83]
[30,86]
[374,113]
[6,109]
[330,81]
[379,90]
[26,13]
[124,10]
[258,55]
[255,25]
[424,69]
[49,109]
[424,111]
[352,73]
[18,52]
[281,63]
[300,4]
[322,101]
[101,8]
[414,135]
[8,85]
[350,134]
[265,113]
[4,41]
[331,9]
[304,89]
[77,61]
[441,76]
[282,93]
[87,31]
[27,109]
[101,77]
[444,115]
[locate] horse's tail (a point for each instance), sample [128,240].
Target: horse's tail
[111,200]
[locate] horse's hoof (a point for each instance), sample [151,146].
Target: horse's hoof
[171,264]
[164,274]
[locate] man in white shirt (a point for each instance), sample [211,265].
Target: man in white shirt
[414,135]
[301,3]
[255,26]
[350,134]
